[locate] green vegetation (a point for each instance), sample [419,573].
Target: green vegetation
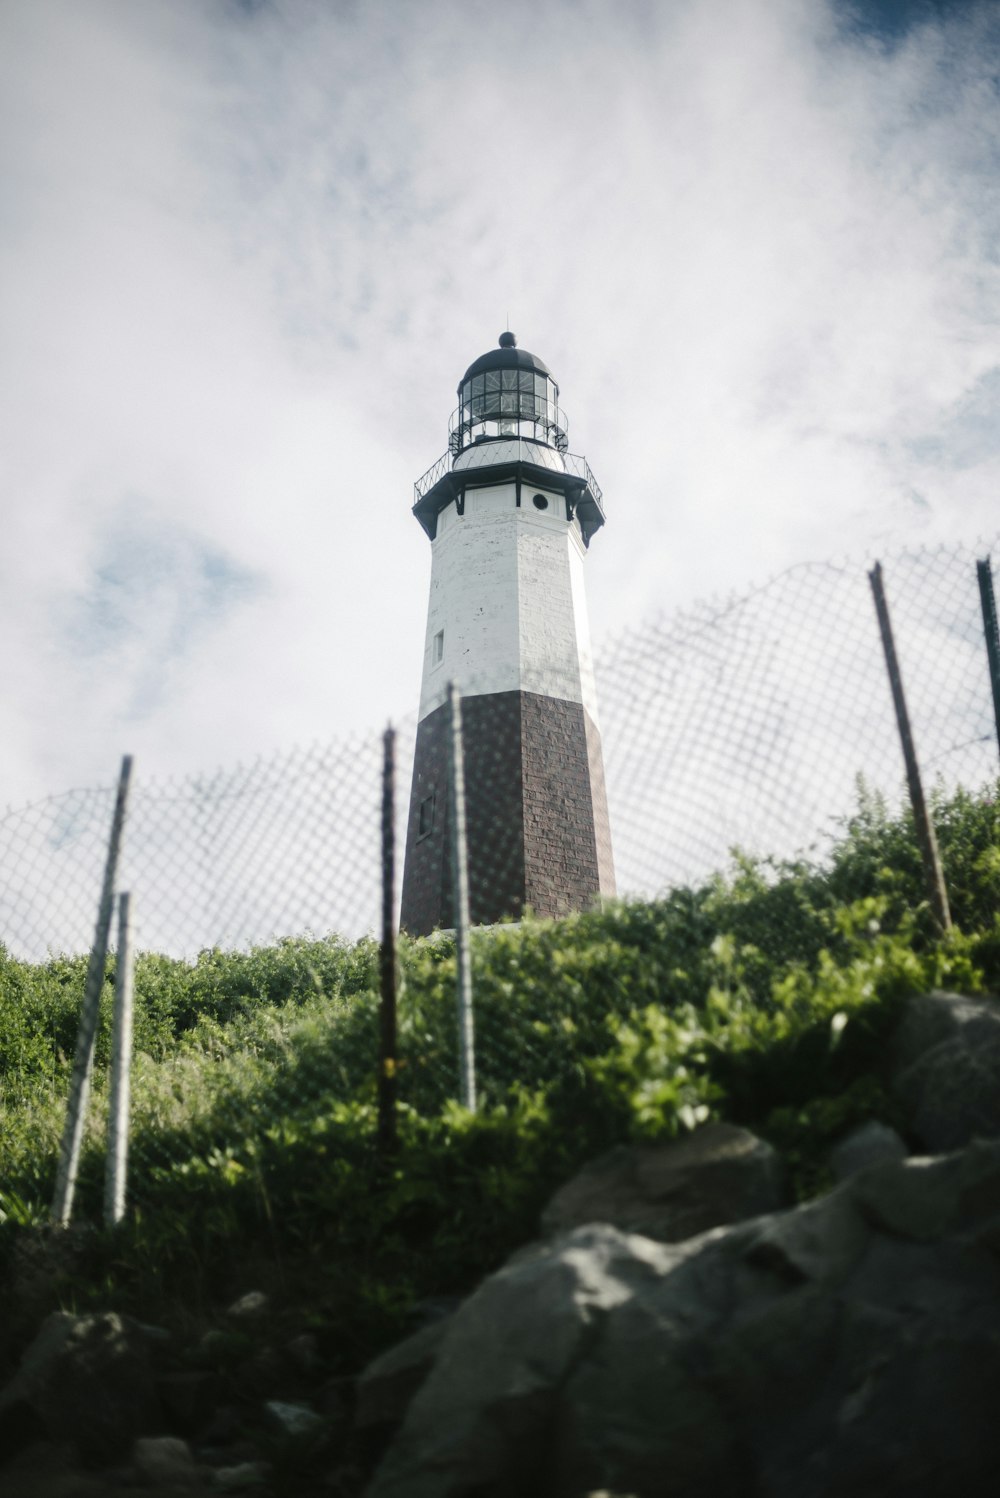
[763,997]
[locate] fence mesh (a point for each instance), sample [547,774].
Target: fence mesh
[230,859]
[743,723]
[748,723]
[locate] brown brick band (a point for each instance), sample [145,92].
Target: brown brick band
[536,811]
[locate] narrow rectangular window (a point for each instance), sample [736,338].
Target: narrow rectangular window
[437,654]
[425,822]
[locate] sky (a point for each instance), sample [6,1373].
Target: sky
[248,249]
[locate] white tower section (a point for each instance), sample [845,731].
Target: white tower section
[508,611]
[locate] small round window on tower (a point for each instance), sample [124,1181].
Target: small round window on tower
[539,501]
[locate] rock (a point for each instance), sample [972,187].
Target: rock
[242,1478]
[872,1143]
[717,1174]
[249,1307]
[157,1336]
[165,1460]
[303,1353]
[848,1346]
[387,1385]
[435,1308]
[262,1372]
[233,1454]
[293,1419]
[938,1016]
[86,1379]
[945,1069]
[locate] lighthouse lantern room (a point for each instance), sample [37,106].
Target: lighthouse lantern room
[510,513]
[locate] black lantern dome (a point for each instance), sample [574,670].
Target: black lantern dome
[507,356]
[507,393]
[508,426]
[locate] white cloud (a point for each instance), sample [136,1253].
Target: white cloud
[248,251]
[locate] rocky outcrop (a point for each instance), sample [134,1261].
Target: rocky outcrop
[86,1380]
[872,1143]
[849,1346]
[387,1385]
[671,1191]
[102,1403]
[679,1333]
[946,1069]
[165,1461]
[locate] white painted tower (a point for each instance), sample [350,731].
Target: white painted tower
[510,513]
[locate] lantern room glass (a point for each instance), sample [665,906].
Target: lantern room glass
[508,402]
[504,393]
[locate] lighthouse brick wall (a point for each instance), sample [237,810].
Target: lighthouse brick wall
[562,864]
[536,813]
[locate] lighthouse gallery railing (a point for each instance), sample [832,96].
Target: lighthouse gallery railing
[574,463]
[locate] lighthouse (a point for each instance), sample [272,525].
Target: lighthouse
[510,513]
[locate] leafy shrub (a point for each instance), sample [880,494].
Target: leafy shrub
[763,996]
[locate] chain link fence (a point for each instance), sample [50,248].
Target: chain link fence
[743,723]
[231,859]
[748,722]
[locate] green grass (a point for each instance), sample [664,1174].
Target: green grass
[764,997]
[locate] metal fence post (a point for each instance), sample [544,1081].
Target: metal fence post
[116,1171]
[933,872]
[990,630]
[79,1091]
[387,1081]
[460,898]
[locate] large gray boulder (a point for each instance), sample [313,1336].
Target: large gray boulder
[945,1069]
[86,1380]
[387,1385]
[871,1143]
[847,1347]
[719,1173]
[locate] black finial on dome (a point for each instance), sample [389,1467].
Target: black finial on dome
[507,340]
